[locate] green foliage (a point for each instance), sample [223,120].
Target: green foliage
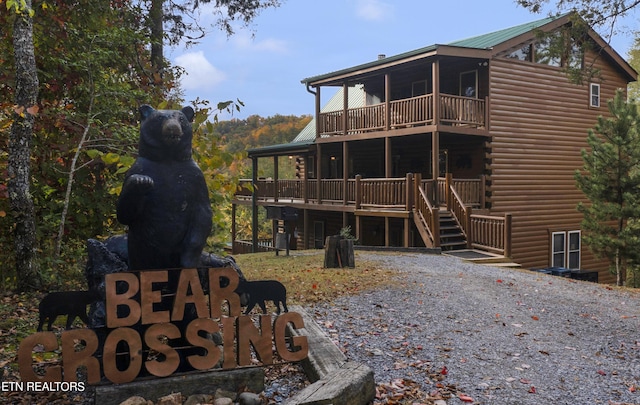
[611,181]
[346,233]
[634,60]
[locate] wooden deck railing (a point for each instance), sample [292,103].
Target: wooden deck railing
[491,233]
[414,111]
[458,110]
[382,193]
[246,246]
[460,196]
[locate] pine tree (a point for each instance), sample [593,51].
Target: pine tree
[611,181]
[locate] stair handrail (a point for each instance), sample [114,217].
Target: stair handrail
[427,213]
[460,212]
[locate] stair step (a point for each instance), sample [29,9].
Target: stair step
[450,244]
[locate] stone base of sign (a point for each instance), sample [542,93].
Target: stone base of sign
[206,382]
[335,380]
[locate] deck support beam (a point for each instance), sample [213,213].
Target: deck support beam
[254,205]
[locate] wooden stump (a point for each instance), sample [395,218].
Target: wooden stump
[347,255]
[338,252]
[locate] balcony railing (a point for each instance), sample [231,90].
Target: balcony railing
[409,112]
[460,196]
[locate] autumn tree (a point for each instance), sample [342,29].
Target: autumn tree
[610,179]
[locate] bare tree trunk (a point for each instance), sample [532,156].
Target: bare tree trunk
[19,171]
[156,14]
[71,178]
[619,269]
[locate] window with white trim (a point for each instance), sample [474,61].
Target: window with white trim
[594,95]
[565,249]
[573,250]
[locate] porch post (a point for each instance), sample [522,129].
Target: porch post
[409,193]
[319,173]
[233,228]
[386,231]
[387,158]
[435,163]
[483,190]
[358,191]
[275,179]
[448,180]
[507,235]
[435,85]
[345,172]
[305,231]
[387,101]
[345,107]
[435,136]
[254,206]
[407,234]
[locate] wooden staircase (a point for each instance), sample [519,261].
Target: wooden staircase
[451,236]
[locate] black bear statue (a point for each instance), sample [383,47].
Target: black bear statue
[164,199]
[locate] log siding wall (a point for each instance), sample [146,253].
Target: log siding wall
[539,123]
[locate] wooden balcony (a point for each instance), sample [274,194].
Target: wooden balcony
[416,111]
[408,195]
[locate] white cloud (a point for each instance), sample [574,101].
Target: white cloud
[200,73]
[373,10]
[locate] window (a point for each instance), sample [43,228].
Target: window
[523,53]
[594,95]
[557,249]
[565,249]
[469,84]
[545,54]
[573,250]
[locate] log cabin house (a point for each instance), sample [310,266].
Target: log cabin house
[470,145]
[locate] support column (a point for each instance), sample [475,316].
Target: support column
[276,191]
[386,231]
[345,108]
[407,232]
[387,102]
[233,229]
[435,163]
[319,172]
[388,163]
[306,231]
[345,172]
[254,205]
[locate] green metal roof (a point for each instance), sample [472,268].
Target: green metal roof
[485,41]
[490,40]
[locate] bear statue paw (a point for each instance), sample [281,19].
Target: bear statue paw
[139,182]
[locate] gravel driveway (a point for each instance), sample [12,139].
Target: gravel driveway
[467,333]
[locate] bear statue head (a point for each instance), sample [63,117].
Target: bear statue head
[165,134]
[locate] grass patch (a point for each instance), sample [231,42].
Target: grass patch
[305,278]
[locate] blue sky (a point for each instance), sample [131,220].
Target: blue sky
[304,38]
